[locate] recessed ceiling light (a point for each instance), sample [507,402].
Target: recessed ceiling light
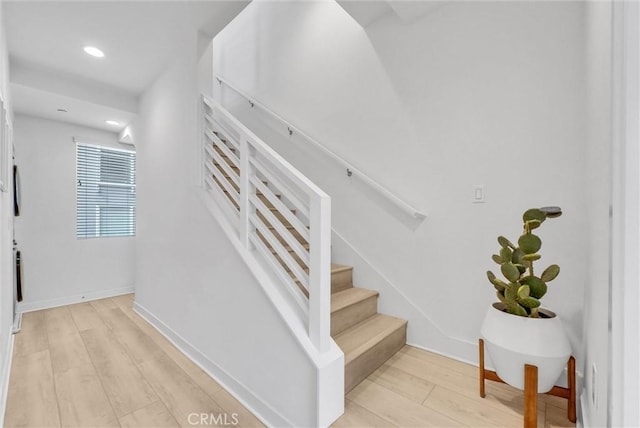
[112,122]
[93,51]
[61,110]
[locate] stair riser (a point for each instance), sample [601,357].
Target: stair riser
[341,280]
[357,370]
[353,314]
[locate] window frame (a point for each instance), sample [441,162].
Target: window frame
[131,233]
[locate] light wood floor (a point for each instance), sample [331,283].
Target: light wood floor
[99,364]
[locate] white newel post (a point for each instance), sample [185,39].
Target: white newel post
[244,191]
[320,271]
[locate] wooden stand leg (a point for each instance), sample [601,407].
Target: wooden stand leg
[530,396]
[481,366]
[531,388]
[571,384]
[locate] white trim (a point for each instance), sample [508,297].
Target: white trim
[100,145]
[448,355]
[624,380]
[70,300]
[6,374]
[243,394]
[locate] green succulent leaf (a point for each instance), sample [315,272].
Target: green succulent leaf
[516,257]
[505,243]
[521,268]
[529,243]
[491,276]
[523,292]
[505,253]
[550,273]
[516,309]
[500,285]
[510,271]
[496,258]
[533,224]
[511,293]
[534,214]
[537,287]
[529,302]
[531,257]
[500,296]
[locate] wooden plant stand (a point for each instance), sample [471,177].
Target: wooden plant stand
[531,388]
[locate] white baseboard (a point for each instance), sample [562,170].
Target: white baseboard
[70,300]
[5,376]
[244,395]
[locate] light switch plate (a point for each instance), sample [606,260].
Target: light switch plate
[477,196]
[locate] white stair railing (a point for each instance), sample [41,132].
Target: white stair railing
[278,213]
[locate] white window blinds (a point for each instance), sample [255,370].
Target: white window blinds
[106,192]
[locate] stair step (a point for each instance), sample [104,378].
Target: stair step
[352,306]
[220,152]
[224,140]
[336,271]
[290,250]
[266,201]
[280,216]
[287,225]
[341,277]
[226,158]
[234,185]
[233,202]
[368,344]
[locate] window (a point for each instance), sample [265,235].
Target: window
[106,192]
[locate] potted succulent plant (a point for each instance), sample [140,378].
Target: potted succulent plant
[516,330]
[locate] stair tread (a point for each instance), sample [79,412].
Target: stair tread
[286,247]
[350,296]
[335,268]
[356,340]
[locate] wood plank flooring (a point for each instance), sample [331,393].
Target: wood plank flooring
[98,364]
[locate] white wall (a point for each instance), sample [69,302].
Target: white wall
[6,236]
[58,268]
[623,374]
[190,281]
[486,93]
[596,310]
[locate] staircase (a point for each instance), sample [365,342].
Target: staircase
[366,337]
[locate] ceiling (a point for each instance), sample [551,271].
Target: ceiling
[139,39]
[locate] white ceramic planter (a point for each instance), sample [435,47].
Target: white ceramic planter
[513,341]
